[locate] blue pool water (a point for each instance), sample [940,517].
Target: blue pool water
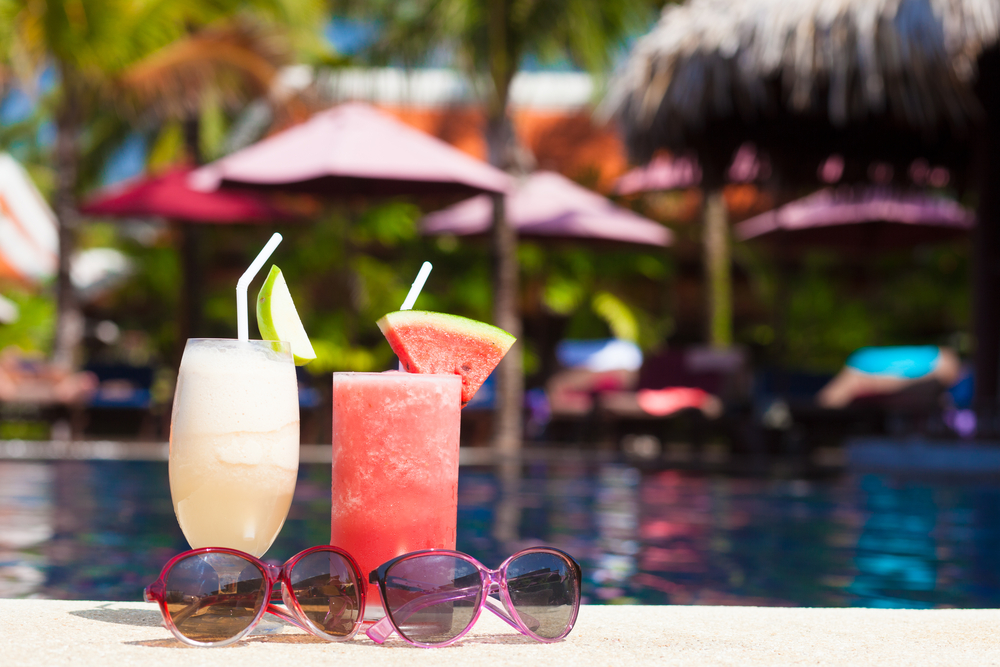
[103,529]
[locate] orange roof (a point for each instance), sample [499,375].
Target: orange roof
[568,142]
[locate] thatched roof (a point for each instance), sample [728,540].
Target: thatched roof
[715,72]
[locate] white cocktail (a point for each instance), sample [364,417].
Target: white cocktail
[234,442]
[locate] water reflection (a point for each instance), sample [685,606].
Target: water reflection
[616,515]
[896,554]
[102,530]
[918,540]
[25,526]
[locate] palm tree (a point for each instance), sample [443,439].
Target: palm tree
[489,40]
[223,65]
[121,57]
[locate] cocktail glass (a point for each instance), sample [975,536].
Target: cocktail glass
[395,466]
[234,442]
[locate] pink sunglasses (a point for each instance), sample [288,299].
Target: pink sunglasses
[432,598]
[214,596]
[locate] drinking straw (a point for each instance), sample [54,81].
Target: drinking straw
[242,323]
[411,296]
[418,284]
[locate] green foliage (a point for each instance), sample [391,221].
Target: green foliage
[619,317]
[167,147]
[824,326]
[212,128]
[112,82]
[33,330]
[605,291]
[387,225]
[346,270]
[563,295]
[833,304]
[98,235]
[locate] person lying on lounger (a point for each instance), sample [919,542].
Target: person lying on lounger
[883,371]
[607,371]
[590,367]
[27,378]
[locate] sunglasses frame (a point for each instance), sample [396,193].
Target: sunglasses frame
[491,581]
[273,575]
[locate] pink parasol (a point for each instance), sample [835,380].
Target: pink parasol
[862,218]
[168,195]
[550,205]
[678,173]
[662,173]
[353,149]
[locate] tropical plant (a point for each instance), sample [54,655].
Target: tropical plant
[123,62]
[489,40]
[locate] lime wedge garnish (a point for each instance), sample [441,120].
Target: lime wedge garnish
[278,319]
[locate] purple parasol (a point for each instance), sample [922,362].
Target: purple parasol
[353,149]
[547,204]
[860,218]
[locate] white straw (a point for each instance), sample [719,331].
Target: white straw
[418,284]
[242,323]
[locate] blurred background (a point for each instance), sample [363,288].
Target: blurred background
[715,205]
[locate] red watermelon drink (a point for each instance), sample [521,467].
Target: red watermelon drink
[395,464]
[396,437]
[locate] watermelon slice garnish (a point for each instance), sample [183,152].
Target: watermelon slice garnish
[427,342]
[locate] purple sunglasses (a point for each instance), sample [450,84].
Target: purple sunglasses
[432,598]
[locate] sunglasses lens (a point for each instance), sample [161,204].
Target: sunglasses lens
[326,587]
[214,597]
[432,598]
[544,589]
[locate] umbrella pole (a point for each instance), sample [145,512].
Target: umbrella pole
[718,269]
[510,377]
[508,417]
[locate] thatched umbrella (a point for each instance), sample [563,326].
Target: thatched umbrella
[892,80]
[807,78]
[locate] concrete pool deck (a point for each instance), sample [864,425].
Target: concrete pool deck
[104,634]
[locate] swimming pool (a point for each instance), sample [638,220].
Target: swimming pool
[102,530]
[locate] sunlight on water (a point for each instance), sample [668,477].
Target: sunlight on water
[102,530]
[25,527]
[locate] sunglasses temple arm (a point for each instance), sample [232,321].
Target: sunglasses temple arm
[499,611]
[381,631]
[285,615]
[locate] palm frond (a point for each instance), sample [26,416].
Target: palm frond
[237,60]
